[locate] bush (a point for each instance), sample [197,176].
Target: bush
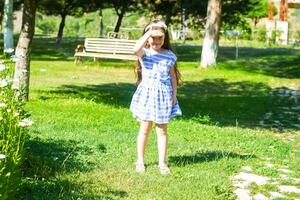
[46,25]
[13,133]
[261,35]
[297,38]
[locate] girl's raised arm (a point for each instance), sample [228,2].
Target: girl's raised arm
[138,48]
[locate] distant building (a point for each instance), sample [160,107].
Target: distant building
[280,25]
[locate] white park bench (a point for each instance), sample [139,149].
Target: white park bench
[106,48]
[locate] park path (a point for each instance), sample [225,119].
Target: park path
[287,184]
[243,183]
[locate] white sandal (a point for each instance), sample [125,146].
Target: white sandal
[140,167]
[164,169]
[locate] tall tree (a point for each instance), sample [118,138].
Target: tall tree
[8,25]
[63,8]
[165,8]
[23,50]
[259,9]
[234,13]
[121,7]
[101,26]
[212,30]
[98,5]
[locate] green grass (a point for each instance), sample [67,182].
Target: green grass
[82,143]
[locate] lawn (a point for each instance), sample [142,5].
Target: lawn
[243,112]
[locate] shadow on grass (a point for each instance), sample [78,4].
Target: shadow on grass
[113,94]
[284,65]
[243,104]
[210,101]
[47,49]
[205,157]
[53,189]
[47,159]
[278,62]
[193,53]
[225,103]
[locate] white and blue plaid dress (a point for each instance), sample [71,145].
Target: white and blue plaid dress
[152,100]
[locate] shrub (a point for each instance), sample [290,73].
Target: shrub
[261,35]
[46,25]
[13,133]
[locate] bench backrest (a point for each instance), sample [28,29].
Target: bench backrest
[117,35]
[111,46]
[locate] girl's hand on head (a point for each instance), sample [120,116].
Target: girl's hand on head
[149,27]
[149,32]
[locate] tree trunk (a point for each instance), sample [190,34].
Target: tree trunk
[256,19]
[22,67]
[168,18]
[1,20]
[119,22]
[120,17]
[212,30]
[8,25]
[101,32]
[61,29]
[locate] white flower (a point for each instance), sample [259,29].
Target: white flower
[3,83]
[9,50]
[16,114]
[2,61]
[2,156]
[2,105]
[25,122]
[8,110]
[2,67]
[14,58]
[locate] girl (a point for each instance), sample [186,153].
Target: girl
[155,98]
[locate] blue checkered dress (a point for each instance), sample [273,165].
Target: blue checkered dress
[152,101]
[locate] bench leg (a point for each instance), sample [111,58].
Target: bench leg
[77,59]
[95,59]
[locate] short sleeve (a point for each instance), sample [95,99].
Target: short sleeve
[172,59]
[147,52]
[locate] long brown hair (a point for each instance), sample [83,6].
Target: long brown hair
[166,45]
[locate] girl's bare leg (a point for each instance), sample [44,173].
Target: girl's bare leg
[162,143]
[145,129]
